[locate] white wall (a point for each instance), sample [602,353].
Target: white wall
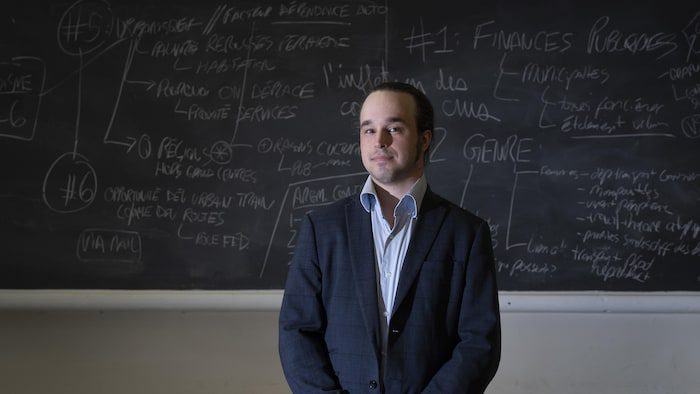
[599,353]
[165,351]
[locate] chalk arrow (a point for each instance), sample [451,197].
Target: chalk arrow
[151,83]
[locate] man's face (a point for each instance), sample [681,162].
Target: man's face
[392,149]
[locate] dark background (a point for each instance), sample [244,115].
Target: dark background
[168,145]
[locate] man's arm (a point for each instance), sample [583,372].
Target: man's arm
[302,322]
[476,357]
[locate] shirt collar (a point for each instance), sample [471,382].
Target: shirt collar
[411,201]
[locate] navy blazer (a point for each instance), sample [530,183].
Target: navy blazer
[445,326]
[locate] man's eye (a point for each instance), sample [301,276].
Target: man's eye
[367,131]
[394,129]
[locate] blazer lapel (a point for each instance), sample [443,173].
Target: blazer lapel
[361,244]
[430,219]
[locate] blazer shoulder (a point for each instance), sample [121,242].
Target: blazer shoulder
[336,210]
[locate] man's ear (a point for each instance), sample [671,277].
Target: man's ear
[426,139]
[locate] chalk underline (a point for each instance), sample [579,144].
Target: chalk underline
[310,23]
[580,137]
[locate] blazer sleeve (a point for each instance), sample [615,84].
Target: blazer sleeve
[302,321]
[476,356]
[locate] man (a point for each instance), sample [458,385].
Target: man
[394,290]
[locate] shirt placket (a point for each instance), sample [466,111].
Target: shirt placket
[388,266]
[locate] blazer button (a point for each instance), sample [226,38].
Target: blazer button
[373,384]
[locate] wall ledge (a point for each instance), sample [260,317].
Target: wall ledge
[270,300]
[600,302]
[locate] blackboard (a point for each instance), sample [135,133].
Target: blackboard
[176,145]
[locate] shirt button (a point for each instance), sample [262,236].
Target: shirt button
[388,274]
[386,314]
[372,384]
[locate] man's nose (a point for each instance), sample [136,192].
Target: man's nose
[383,139]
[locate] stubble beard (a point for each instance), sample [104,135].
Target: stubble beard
[385,175]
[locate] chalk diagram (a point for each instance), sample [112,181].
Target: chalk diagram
[70,184]
[86,32]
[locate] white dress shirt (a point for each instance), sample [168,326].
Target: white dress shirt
[391,245]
